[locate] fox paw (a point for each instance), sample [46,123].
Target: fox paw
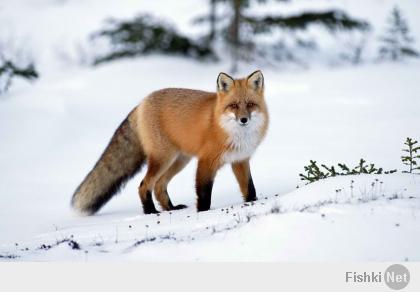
[150,211]
[179,207]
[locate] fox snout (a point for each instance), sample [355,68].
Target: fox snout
[244,121]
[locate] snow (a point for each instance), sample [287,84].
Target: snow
[368,222]
[53,131]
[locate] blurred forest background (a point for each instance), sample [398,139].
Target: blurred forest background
[262,32]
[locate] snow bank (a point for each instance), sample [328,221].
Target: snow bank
[366,217]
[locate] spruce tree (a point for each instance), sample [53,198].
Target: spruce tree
[397,42]
[211,18]
[242,26]
[411,158]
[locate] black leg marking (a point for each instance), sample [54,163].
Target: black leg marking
[204,196]
[148,205]
[177,207]
[252,196]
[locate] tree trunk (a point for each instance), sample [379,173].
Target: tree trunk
[212,33]
[234,33]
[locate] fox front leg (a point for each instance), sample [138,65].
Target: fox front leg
[206,172]
[242,172]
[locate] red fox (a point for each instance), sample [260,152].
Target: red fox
[167,129]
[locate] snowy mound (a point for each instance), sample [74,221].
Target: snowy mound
[366,217]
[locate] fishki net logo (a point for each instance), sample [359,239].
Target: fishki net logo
[395,277]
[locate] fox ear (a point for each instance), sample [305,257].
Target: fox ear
[256,80]
[224,82]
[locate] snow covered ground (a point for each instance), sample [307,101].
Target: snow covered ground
[53,131]
[373,218]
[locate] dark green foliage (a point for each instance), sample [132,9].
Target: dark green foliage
[235,26]
[145,35]
[333,20]
[314,173]
[9,71]
[344,168]
[238,26]
[396,42]
[330,170]
[411,158]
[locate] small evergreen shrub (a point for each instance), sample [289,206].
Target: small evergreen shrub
[411,158]
[314,172]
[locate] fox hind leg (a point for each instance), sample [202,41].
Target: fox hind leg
[161,192]
[157,165]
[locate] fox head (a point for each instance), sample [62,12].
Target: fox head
[241,102]
[242,113]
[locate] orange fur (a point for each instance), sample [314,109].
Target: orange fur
[174,125]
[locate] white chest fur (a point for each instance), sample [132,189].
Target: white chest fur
[242,139]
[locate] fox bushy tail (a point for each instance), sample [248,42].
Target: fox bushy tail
[121,160]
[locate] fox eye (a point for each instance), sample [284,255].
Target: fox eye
[234,106]
[250,104]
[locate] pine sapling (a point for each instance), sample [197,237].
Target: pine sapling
[344,168]
[372,169]
[314,172]
[411,158]
[361,168]
[331,170]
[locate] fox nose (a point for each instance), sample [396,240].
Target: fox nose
[244,121]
